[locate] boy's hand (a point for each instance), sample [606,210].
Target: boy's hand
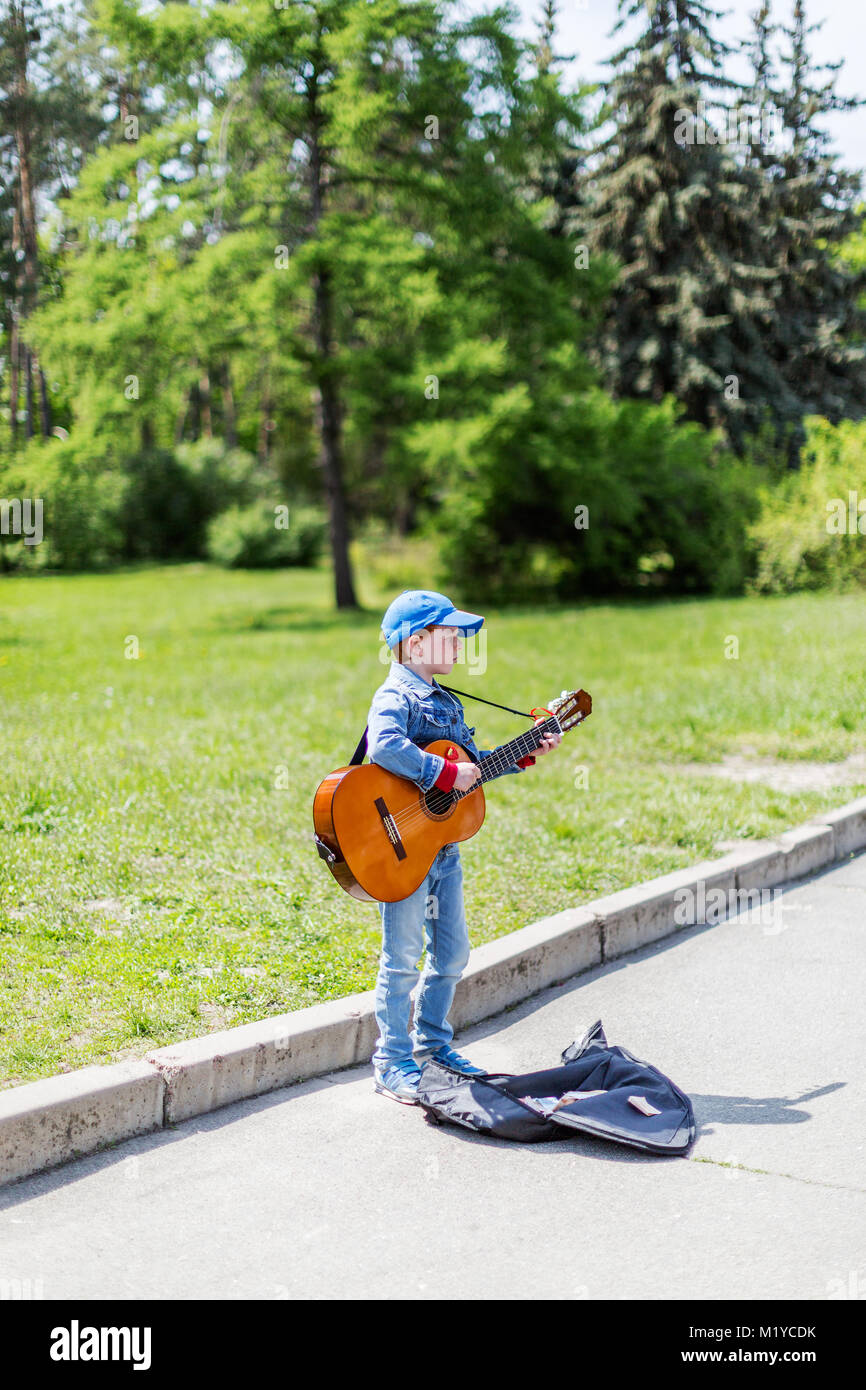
[550,742]
[467,774]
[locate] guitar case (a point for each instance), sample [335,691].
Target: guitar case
[493,1104]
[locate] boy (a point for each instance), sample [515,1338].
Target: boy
[423,629]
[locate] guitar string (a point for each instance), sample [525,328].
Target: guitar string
[495,760]
[406,818]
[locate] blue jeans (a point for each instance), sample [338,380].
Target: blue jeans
[432,916]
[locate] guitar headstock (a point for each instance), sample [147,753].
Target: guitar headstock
[571,707]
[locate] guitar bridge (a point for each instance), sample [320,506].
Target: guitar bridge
[390,828]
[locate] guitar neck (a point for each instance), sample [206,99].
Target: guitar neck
[508,753]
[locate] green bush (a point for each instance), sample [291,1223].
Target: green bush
[667,507]
[101,509]
[173,495]
[82,505]
[222,477]
[252,538]
[390,560]
[808,534]
[163,517]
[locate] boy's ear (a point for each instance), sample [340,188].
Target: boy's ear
[402,655]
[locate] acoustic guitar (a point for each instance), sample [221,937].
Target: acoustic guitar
[379,833]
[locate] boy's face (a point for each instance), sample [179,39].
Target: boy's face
[437,648]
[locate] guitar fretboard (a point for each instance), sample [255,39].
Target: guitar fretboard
[508,753]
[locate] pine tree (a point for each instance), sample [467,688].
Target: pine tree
[670,199]
[553,129]
[820,324]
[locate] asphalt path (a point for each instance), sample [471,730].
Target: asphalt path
[328,1190]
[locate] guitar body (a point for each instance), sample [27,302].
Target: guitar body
[379,833]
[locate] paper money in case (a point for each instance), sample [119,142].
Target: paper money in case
[642,1104]
[545,1105]
[498,1103]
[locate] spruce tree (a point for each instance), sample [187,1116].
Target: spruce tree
[553,129]
[672,201]
[820,324]
[783,431]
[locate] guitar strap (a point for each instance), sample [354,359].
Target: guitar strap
[360,752]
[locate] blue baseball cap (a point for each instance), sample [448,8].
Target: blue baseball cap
[415,609]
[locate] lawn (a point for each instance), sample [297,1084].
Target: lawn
[157,873]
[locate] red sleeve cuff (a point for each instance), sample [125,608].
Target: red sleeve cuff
[527,760]
[447,777]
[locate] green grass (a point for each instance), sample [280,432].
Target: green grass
[176,790]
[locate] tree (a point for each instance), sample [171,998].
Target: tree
[553,129]
[362,204]
[673,203]
[820,327]
[49,120]
[18,33]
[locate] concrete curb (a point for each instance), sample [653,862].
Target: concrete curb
[49,1122]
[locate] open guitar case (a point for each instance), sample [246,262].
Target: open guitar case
[492,1104]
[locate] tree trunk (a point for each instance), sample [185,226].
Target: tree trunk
[404,516]
[330,433]
[44,402]
[24,214]
[21,88]
[195,408]
[229,417]
[180,422]
[204,404]
[264,442]
[327,400]
[14,349]
[15,334]
[28,391]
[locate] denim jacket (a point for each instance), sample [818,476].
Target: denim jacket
[405,712]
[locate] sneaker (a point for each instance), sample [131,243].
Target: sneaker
[449,1058]
[399,1081]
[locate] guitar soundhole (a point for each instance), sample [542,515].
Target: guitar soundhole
[438,804]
